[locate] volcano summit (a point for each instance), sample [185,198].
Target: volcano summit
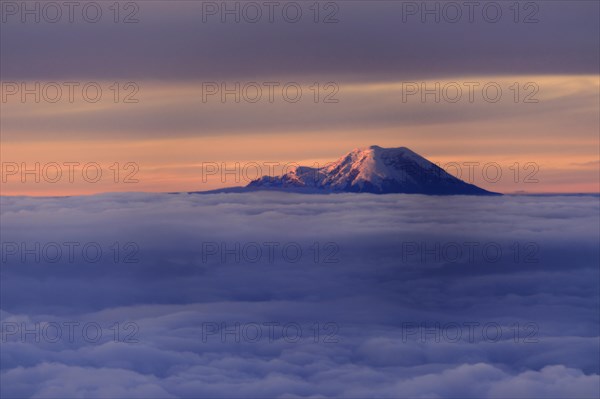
[374,170]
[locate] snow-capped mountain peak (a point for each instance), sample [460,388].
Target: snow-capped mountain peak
[372,169]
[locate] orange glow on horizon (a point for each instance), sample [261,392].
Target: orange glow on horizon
[562,138]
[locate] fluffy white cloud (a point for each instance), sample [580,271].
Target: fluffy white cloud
[381,321]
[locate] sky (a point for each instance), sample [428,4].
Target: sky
[150,96]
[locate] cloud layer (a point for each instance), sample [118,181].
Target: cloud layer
[369,41]
[391,304]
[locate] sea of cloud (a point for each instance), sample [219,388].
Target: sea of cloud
[290,295]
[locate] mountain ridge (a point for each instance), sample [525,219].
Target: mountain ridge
[372,169]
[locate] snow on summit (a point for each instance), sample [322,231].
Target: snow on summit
[372,170]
